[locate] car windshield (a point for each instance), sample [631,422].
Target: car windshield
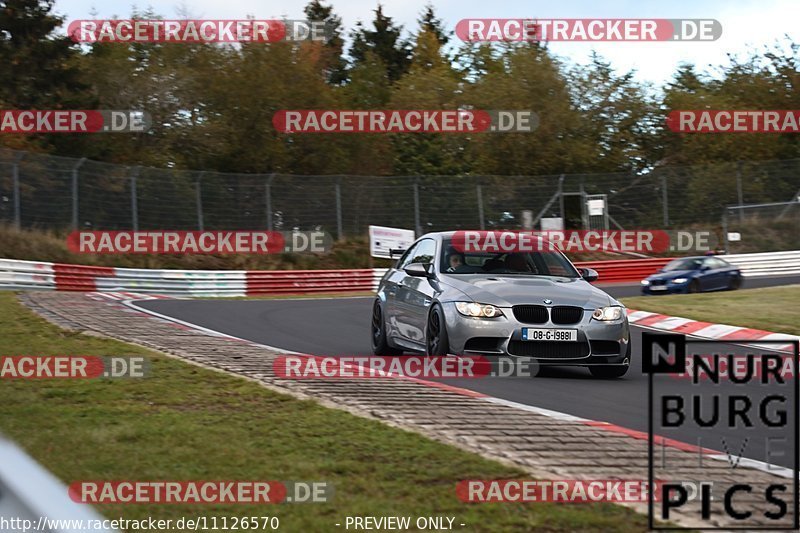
[543,263]
[688,263]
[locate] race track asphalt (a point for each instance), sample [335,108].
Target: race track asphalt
[340,326]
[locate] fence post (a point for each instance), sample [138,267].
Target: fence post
[75,192]
[479,190]
[725,229]
[739,190]
[665,199]
[199,201]
[417,225]
[339,228]
[268,200]
[134,199]
[17,201]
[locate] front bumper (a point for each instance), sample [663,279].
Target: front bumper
[598,342]
[667,288]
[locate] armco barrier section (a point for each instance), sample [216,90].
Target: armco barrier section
[766,264]
[309,281]
[26,275]
[625,269]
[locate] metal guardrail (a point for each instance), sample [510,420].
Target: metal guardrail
[766,264]
[32,275]
[31,496]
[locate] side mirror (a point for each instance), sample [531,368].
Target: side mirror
[704,268]
[589,274]
[419,270]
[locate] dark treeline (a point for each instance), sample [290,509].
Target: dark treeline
[212,105]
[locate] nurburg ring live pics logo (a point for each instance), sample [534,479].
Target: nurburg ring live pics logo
[722,432]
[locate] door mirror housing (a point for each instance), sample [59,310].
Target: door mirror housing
[419,270]
[589,274]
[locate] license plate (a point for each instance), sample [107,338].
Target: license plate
[539,334]
[658,287]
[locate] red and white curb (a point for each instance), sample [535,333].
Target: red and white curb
[126,296]
[707,330]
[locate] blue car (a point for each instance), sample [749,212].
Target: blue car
[693,274]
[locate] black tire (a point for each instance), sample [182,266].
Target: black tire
[608,371]
[436,340]
[694,287]
[735,283]
[380,344]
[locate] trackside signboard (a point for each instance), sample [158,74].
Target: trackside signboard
[737,406]
[383,239]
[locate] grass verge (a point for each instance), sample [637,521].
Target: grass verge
[191,423]
[771,309]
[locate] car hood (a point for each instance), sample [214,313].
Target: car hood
[672,274]
[505,291]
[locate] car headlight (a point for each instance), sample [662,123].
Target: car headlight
[477,310]
[680,280]
[645,282]
[608,314]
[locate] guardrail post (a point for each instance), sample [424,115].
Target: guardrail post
[479,191]
[268,200]
[339,228]
[199,200]
[75,222]
[417,225]
[17,201]
[134,200]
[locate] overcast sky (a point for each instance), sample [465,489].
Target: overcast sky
[745,23]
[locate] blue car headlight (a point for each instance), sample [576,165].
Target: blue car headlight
[645,282]
[680,280]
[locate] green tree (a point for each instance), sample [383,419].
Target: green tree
[620,117]
[332,63]
[385,41]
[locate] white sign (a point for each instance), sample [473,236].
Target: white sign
[383,239]
[734,236]
[551,223]
[596,207]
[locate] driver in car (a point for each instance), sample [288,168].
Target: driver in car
[455,261]
[517,263]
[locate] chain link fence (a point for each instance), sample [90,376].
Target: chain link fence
[50,192]
[769,226]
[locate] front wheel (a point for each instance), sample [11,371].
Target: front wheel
[694,287]
[436,340]
[380,344]
[608,371]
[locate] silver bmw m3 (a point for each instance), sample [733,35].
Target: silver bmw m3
[440,300]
